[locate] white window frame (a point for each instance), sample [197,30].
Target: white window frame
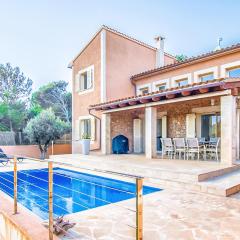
[139,87]
[77,80]
[227,66]
[212,70]
[160,82]
[178,78]
[93,126]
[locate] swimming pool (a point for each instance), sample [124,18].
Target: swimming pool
[72,191]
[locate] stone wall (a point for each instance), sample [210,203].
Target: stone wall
[122,123]
[176,115]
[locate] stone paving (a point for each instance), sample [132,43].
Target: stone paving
[168,215]
[171,214]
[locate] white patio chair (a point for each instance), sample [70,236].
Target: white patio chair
[212,149]
[167,147]
[179,147]
[193,147]
[201,140]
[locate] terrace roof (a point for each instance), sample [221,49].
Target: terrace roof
[171,93]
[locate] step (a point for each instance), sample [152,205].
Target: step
[225,185]
[217,173]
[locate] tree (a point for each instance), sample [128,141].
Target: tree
[181,57]
[13,116]
[44,128]
[56,96]
[13,84]
[15,89]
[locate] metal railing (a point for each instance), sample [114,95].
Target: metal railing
[49,183]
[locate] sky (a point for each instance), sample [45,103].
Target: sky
[42,37]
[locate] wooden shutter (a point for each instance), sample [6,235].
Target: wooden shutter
[164,126]
[93,129]
[190,125]
[89,78]
[77,83]
[137,135]
[77,129]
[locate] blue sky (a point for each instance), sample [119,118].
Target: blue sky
[41,37]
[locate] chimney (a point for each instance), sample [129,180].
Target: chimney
[160,51]
[218,44]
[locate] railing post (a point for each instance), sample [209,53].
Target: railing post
[52,147]
[15,184]
[50,199]
[139,209]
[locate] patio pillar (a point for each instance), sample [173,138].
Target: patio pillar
[106,134]
[228,129]
[150,132]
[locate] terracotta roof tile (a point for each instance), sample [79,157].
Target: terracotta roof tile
[187,61]
[169,90]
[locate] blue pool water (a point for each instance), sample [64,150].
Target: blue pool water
[72,191]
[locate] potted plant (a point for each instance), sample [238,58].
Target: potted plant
[86,138]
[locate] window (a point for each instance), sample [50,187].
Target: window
[235,72]
[182,82]
[144,90]
[210,125]
[85,127]
[84,80]
[206,77]
[160,87]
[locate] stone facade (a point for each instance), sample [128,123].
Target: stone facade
[122,122]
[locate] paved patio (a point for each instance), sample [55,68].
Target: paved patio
[168,215]
[171,214]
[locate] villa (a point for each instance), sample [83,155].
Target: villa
[122,86]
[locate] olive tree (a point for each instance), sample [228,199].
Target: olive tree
[44,128]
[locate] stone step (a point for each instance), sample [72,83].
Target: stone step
[225,185]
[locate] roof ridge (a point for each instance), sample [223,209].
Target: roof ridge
[193,58]
[119,33]
[132,38]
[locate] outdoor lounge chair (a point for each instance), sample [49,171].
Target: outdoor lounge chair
[4,162]
[4,156]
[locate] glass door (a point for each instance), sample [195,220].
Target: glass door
[159,134]
[210,126]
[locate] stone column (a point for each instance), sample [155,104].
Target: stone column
[106,134]
[228,129]
[150,132]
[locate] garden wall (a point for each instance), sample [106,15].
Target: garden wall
[33,150]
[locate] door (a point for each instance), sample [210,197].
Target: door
[210,126]
[159,134]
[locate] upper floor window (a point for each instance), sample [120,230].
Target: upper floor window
[160,87]
[85,79]
[234,72]
[144,90]
[206,77]
[182,82]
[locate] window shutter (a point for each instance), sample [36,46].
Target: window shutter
[89,78]
[77,83]
[93,129]
[81,82]
[77,129]
[137,135]
[190,125]
[164,126]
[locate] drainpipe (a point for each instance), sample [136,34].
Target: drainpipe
[100,126]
